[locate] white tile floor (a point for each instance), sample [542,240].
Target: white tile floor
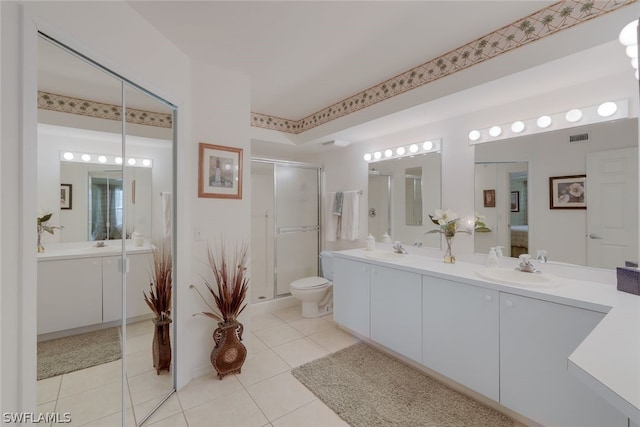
[264,394]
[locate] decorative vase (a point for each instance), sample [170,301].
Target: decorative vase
[161,346]
[40,247]
[229,354]
[449,258]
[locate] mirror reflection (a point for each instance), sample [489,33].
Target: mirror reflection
[414,188]
[523,170]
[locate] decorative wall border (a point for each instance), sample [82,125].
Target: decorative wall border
[545,22]
[85,107]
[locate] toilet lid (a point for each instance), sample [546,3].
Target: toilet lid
[309,282]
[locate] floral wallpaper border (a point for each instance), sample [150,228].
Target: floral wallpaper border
[545,22]
[85,107]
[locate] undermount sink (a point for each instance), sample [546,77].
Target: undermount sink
[385,255]
[517,278]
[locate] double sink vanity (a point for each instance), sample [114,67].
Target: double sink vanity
[80,285]
[561,348]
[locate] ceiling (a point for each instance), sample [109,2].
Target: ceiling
[302,56]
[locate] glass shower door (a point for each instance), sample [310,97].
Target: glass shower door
[297,224]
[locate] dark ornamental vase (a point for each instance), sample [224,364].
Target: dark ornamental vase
[229,354]
[161,346]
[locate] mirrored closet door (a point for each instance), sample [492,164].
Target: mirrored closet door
[105,197]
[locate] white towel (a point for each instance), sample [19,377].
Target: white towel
[166,213]
[350,213]
[331,230]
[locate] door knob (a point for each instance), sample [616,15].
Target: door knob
[595,237]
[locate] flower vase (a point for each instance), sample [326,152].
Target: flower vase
[161,345]
[449,258]
[229,353]
[40,247]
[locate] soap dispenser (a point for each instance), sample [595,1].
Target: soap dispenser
[499,251]
[492,259]
[371,243]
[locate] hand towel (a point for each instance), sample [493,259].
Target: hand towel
[337,203]
[331,230]
[350,214]
[166,213]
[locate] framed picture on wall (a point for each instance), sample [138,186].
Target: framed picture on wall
[567,192]
[515,201]
[489,197]
[219,172]
[66,196]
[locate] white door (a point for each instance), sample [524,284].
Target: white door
[612,207]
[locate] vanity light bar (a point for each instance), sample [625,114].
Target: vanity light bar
[103,159]
[606,111]
[413,149]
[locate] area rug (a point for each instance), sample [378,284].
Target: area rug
[368,388]
[68,354]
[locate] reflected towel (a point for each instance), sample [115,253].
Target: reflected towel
[166,213]
[337,203]
[331,230]
[350,214]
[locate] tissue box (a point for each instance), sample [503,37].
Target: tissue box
[628,280]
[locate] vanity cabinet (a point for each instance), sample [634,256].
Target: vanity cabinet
[69,294]
[536,338]
[396,310]
[351,295]
[460,333]
[138,278]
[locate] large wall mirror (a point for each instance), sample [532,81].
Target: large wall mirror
[105,174]
[402,192]
[516,172]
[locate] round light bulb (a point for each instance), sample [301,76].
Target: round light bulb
[634,63]
[517,126]
[413,148]
[146,162]
[131,162]
[607,109]
[68,156]
[632,51]
[388,152]
[629,34]
[573,115]
[427,145]
[85,157]
[637,78]
[377,155]
[118,160]
[400,151]
[495,131]
[544,122]
[227,166]
[474,135]
[102,159]
[367,157]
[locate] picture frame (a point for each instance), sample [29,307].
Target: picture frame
[489,198]
[568,192]
[66,196]
[219,171]
[515,201]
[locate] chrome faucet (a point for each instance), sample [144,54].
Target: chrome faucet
[397,248]
[525,265]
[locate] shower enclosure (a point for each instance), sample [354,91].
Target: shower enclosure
[285,225]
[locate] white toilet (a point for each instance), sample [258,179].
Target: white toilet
[316,293]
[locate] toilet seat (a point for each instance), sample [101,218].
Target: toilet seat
[309,283]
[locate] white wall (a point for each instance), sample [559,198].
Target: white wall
[213,106]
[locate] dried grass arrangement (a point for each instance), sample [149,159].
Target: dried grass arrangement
[160,286]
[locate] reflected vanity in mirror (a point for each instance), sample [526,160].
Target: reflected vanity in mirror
[107,146]
[412,187]
[603,235]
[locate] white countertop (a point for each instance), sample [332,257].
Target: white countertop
[608,360]
[72,250]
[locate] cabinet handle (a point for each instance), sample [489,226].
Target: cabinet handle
[373,270]
[508,303]
[488,298]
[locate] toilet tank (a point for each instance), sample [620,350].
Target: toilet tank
[326,264]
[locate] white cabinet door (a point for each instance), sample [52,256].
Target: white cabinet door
[69,294]
[138,279]
[396,310]
[536,338]
[351,295]
[111,289]
[460,325]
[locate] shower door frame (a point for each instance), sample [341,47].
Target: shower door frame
[276,232]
